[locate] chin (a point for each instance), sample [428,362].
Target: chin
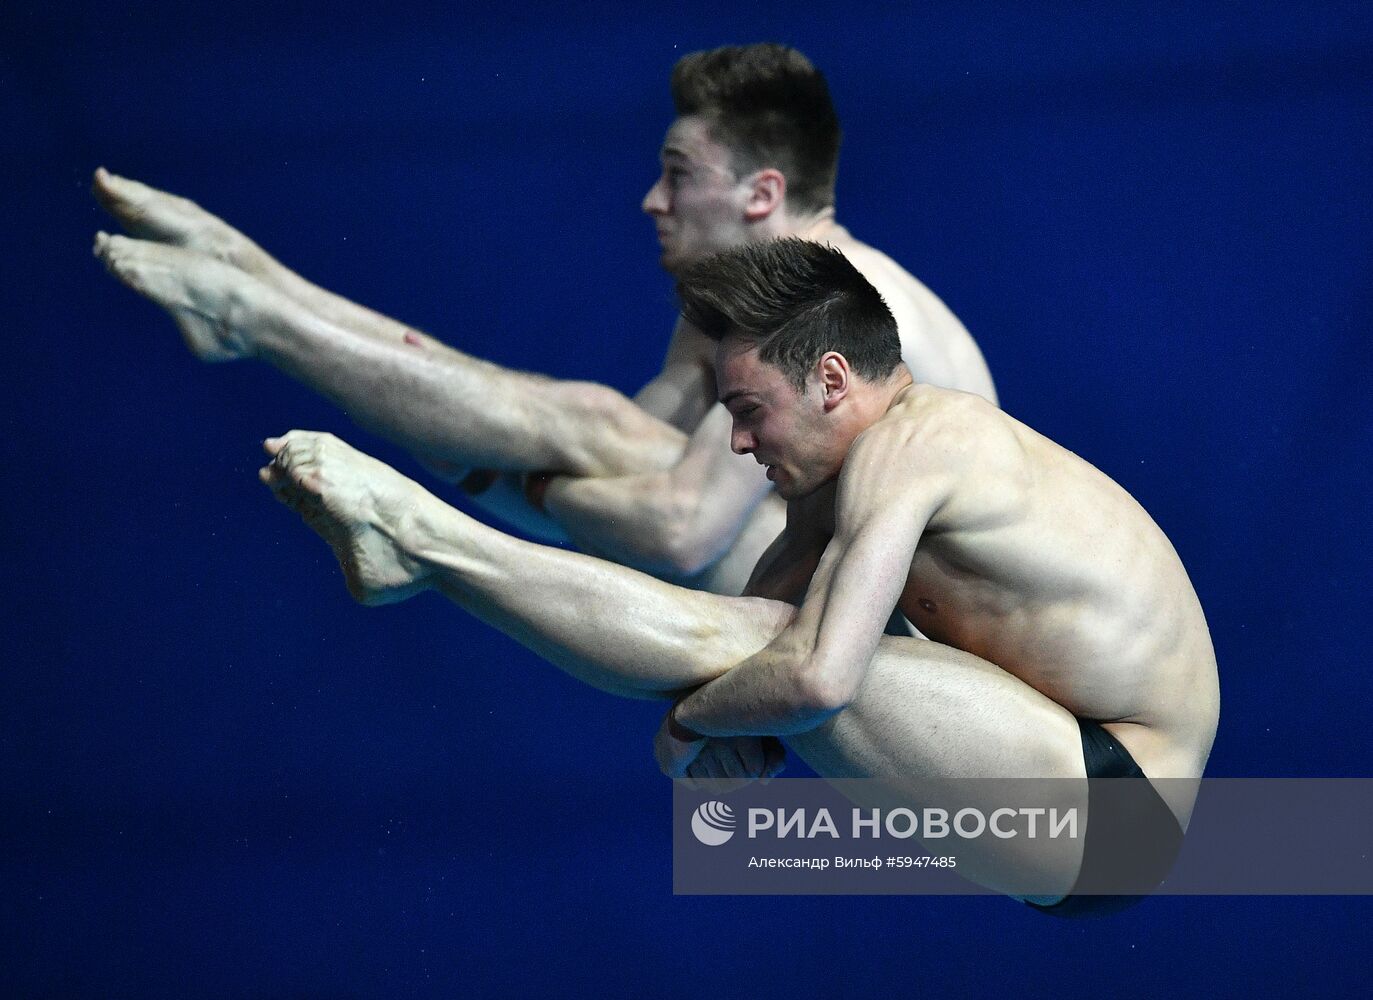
[677,259]
[787,489]
[675,263]
[794,489]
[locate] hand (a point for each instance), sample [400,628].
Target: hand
[702,761]
[675,747]
[729,762]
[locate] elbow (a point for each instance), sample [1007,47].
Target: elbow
[820,693]
[686,555]
[685,547]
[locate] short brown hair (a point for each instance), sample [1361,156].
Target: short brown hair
[772,108]
[797,300]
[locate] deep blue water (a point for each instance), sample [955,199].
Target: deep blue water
[220,777]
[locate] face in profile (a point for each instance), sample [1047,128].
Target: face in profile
[782,428]
[697,203]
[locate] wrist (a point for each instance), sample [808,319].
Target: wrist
[677,730]
[536,488]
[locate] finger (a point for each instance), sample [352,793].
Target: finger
[776,755]
[732,765]
[665,752]
[751,755]
[710,766]
[703,782]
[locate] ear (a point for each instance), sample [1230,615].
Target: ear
[836,378]
[767,191]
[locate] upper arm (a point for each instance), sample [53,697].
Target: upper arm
[675,522]
[684,390]
[712,491]
[894,482]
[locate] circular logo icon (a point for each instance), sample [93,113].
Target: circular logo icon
[713,823]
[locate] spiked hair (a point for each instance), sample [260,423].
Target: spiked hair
[796,300]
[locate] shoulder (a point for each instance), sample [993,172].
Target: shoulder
[898,286]
[933,450]
[887,276]
[936,427]
[690,345]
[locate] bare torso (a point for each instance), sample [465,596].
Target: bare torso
[1039,563]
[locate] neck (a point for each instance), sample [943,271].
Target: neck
[814,226]
[899,386]
[813,512]
[816,510]
[878,401]
[868,407]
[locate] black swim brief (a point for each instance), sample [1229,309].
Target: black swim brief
[1132,836]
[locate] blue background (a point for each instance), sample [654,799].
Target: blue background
[222,778]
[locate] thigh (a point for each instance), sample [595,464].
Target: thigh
[930,712]
[933,726]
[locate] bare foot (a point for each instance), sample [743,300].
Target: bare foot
[151,214]
[355,503]
[204,296]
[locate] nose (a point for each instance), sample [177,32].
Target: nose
[656,201]
[741,442]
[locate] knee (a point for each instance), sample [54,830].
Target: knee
[621,429]
[591,400]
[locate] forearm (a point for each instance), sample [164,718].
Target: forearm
[772,693]
[676,521]
[813,668]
